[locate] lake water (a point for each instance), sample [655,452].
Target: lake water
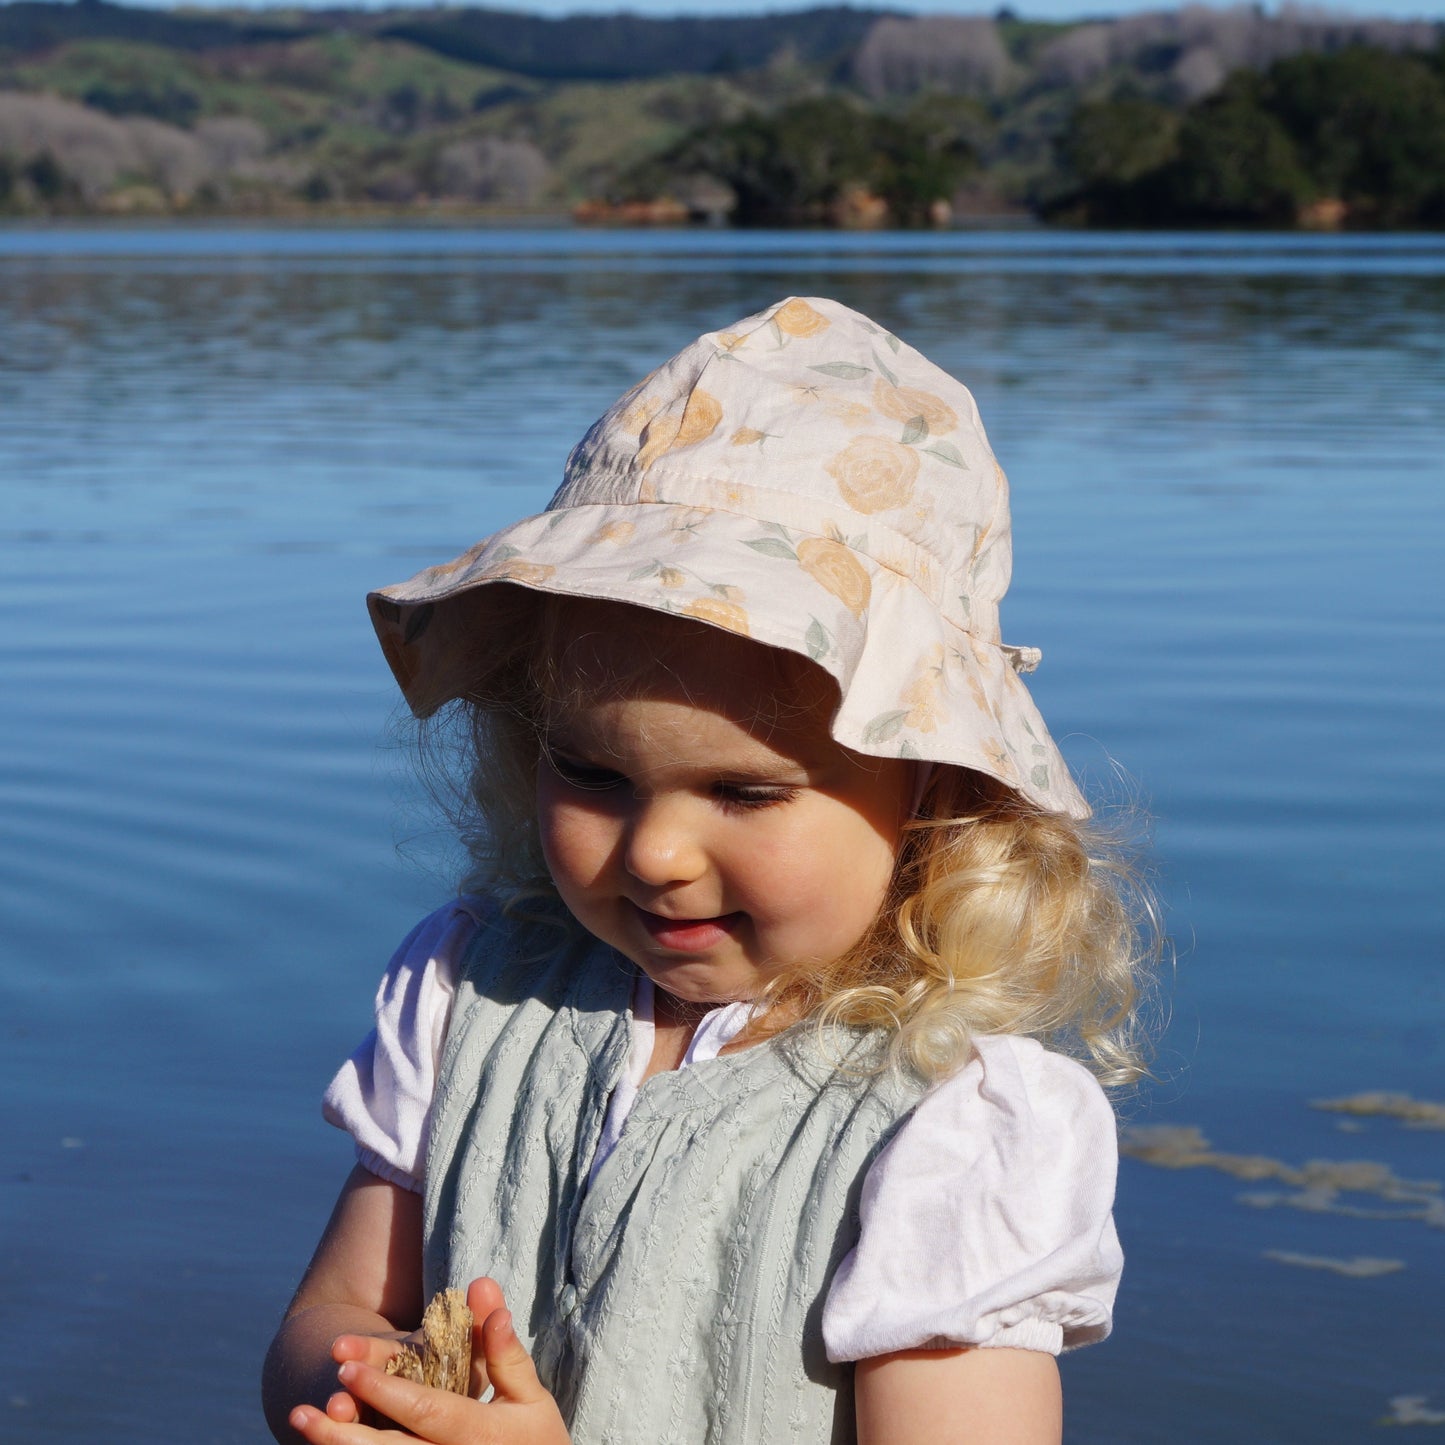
[1228,460]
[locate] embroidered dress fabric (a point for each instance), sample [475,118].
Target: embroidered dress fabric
[1011,1160]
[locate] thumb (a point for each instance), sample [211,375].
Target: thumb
[509,1366]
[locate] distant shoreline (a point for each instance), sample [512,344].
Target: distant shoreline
[1192,118]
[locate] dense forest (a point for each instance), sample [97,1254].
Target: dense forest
[1189,117]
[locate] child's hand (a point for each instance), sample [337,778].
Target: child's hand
[521,1412]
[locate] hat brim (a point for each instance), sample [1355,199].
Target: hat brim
[911,683]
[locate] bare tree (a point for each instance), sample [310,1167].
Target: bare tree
[1078,56]
[231,142]
[488,168]
[1200,71]
[955,53]
[174,160]
[1210,43]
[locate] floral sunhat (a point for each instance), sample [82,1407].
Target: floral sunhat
[803,478]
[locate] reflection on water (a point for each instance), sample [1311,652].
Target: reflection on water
[1226,456]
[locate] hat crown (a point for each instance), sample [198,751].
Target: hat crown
[810,416]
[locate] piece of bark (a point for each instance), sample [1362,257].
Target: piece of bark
[444,1358]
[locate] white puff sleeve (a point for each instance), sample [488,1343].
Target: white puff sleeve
[382,1094]
[987,1220]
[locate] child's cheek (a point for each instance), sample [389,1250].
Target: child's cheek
[571,841]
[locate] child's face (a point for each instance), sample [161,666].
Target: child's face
[704,832]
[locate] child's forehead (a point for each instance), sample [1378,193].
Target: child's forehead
[604,653]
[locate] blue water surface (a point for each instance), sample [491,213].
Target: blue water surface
[1228,461]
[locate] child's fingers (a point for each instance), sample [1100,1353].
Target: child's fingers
[509,1366]
[343,1409]
[484,1296]
[373,1350]
[429,1414]
[318,1428]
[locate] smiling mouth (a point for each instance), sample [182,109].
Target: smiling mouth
[688,935]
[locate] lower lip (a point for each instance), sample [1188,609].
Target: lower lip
[688,935]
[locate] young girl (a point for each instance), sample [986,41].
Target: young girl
[723,1088]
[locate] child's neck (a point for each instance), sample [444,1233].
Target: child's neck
[674,1023]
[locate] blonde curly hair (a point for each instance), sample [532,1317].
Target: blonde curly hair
[1000,918]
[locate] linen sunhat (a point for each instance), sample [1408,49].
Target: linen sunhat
[803,478]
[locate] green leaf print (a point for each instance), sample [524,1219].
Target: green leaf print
[947,452]
[1040,776]
[818,640]
[648,569]
[907,750]
[914,432]
[846,369]
[885,726]
[893,342]
[878,362]
[772,547]
[505,552]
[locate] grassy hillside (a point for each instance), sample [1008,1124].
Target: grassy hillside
[855,116]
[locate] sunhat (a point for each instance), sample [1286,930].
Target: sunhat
[803,478]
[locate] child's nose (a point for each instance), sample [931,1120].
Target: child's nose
[661,845]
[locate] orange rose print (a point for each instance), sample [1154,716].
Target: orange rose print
[853,414]
[719,613]
[997,754]
[635,419]
[657,438]
[832,565]
[698,420]
[874,474]
[618,532]
[925,711]
[797,318]
[903,403]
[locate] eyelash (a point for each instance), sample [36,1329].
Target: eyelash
[732,797]
[580,775]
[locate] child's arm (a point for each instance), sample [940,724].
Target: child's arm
[959,1397]
[363,1282]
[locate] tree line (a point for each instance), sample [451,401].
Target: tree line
[1357,137]
[833,116]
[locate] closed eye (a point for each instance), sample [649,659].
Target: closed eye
[582,775]
[743,797]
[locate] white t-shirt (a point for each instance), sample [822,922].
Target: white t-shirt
[987,1220]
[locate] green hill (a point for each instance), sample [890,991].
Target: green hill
[830,115]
